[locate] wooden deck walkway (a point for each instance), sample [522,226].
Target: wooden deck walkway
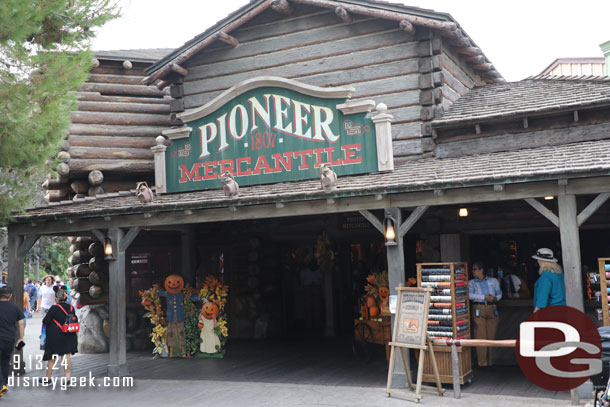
[317,362]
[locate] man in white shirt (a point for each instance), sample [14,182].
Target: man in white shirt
[46,295]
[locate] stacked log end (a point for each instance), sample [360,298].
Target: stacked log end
[89,271]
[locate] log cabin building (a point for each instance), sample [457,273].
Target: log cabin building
[457,135]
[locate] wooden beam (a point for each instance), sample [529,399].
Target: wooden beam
[117,297]
[180,70]
[129,238]
[575,115]
[477,128]
[570,251]
[384,14]
[407,27]
[592,207]
[99,235]
[373,220]
[344,15]
[282,7]
[525,123]
[411,220]
[26,245]
[187,54]
[543,210]
[267,209]
[227,39]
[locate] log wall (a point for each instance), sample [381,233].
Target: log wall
[113,128]
[316,47]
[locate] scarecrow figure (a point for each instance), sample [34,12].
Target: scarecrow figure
[175,313]
[210,343]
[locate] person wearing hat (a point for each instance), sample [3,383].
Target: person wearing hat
[550,287]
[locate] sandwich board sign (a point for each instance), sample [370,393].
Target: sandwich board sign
[410,332]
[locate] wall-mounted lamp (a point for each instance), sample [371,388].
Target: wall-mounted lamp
[463,212]
[389,227]
[108,248]
[549,198]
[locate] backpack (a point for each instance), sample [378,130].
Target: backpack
[31,290]
[71,324]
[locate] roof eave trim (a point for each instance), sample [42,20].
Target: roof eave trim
[441,124]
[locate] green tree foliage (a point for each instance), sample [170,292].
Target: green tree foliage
[44,57]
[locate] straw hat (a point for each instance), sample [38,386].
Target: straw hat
[545,254]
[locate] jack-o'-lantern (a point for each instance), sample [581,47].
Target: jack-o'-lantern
[174,284]
[384,293]
[209,310]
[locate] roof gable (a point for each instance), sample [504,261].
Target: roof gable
[408,17]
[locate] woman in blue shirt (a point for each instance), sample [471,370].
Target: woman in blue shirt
[550,288]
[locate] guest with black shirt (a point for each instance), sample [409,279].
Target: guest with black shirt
[10,315]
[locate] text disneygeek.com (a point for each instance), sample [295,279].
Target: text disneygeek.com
[63,384]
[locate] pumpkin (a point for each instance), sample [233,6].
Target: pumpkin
[174,284]
[209,310]
[384,293]
[374,311]
[371,301]
[364,311]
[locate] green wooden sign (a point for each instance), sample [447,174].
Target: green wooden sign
[268,135]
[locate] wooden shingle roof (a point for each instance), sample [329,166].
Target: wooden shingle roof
[530,96]
[527,165]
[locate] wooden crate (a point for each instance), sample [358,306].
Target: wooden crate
[443,361]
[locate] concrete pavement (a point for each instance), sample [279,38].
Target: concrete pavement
[229,393]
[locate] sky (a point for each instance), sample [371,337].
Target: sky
[520,37]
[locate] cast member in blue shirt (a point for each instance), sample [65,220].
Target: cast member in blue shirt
[484,292]
[550,287]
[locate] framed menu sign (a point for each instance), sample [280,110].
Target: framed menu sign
[412,316]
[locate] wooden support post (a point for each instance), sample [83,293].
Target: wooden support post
[18,247]
[188,255]
[396,266]
[118,296]
[455,371]
[570,250]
